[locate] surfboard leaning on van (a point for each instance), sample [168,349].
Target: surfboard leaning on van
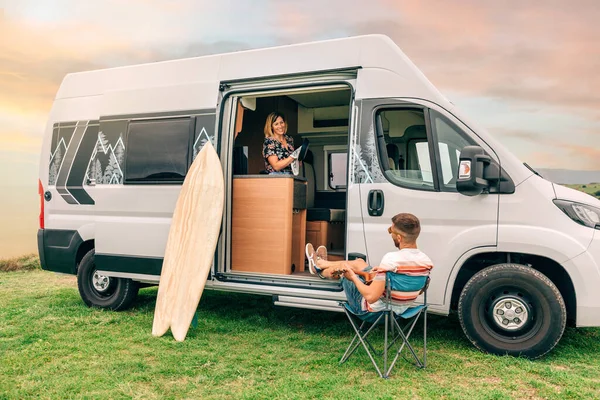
[516,255]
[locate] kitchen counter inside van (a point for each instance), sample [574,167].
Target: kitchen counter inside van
[268,223]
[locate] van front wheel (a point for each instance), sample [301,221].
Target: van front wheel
[512,309]
[101,291]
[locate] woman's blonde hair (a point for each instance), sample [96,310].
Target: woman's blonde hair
[271,118]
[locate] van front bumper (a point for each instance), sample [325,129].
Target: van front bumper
[584,270]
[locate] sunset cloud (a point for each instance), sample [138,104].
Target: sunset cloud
[546,53]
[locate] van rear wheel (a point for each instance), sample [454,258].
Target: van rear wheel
[101,291]
[512,309]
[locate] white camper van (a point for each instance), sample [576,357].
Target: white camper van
[516,255]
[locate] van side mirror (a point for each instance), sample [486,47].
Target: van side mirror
[473,162]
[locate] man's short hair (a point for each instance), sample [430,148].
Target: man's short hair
[408,225]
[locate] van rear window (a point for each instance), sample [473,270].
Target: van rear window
[158,151]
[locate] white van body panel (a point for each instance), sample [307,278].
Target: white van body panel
[380,83]
[188,96]
[542,229]
[585,273]
[142,228]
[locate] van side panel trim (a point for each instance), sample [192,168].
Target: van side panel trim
[80,165]
[72,148]
[129,265]
[58,250]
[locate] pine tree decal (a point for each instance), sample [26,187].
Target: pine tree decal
[361,174]
[112,174]
[102,143]
[201,140]
[110,169]
[54,166]
[371,158]
[120,153]
[97,171]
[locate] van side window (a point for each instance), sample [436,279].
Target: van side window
[451,140]
[158,151]
[337,170]
[403,148]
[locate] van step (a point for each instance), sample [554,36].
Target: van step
[307,303]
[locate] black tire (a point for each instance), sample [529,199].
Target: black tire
[111,293]
[488,310]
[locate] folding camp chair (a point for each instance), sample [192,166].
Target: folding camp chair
[395,282]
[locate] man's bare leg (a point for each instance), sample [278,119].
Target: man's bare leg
[330,269]
[357,265]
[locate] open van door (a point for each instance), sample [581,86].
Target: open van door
[406,160]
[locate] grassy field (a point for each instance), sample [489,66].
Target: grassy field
[590,188]
[52,346]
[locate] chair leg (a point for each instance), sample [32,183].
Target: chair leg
[406,343]
[355,343]
[425,338]
[385,345]
[360,337]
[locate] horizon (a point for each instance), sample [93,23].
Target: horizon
[526,74]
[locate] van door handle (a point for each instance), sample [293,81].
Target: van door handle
[376,203]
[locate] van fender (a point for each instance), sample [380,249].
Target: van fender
[550,243]
[456,269]
[538,241]
[87,231]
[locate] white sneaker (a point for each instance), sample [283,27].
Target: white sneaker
[322,253]
[312,265]
[310,256]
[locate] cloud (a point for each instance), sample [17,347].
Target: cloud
[558,153]
[545,53]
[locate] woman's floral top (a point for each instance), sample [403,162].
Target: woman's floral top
[272,146]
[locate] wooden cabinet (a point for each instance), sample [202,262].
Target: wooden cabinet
[328,234]
[268,224]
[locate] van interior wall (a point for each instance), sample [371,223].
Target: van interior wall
[320,163]
[252,134]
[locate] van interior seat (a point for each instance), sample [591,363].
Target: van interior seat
[321,206]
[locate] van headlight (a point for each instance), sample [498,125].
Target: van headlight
[580,213]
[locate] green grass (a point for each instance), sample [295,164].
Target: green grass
[52,346]
[589,188]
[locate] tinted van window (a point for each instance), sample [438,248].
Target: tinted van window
[158,150]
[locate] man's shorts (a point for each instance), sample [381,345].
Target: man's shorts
[355,299]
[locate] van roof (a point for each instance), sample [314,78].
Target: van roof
[369,51]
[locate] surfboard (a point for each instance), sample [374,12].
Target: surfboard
[191,245]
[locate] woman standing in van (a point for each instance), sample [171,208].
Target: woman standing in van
[278,148]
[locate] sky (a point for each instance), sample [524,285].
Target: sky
[526,71]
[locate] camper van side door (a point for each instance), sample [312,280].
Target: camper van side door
[407,161]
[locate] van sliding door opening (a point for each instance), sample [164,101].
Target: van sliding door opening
[271,217]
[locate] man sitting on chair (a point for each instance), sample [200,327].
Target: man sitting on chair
[365,285]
